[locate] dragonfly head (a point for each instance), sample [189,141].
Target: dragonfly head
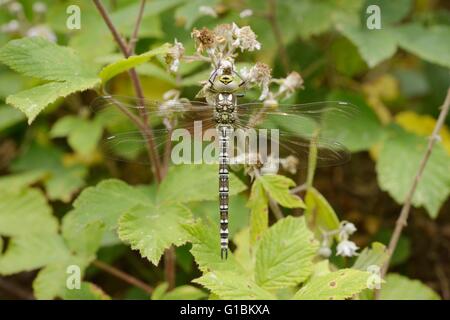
[226,83]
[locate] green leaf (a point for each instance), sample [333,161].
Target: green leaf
[87,291]
[151,229]
[34,100]
[243,252]
[230,285]
[62,180]
[319,212]
[107,201]
[285,253]
[358,128]
[185,292]
[430,44]
[126,64]
[9,117]
[43,59]
[391,11]
[374,46]
[83,135]
[206,249]
[26,213]
[51,281]
[33,251]
[398,162]
[277,187]
[188,183]
[398,287]
[259,215]
[80,238]
[375,256]
[188,13]
[20,181]
[338,285]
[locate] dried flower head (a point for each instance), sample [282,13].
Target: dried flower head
[245,38]
[224,33]
[289,84]
[174,55]
[260,74]
[290,164]
[204,39]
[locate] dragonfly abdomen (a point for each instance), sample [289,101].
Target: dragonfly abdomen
[224,136]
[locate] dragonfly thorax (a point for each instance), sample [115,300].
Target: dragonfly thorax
[225,108]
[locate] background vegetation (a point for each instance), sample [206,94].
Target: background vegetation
[62,202]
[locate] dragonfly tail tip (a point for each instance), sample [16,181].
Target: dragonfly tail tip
[224,253]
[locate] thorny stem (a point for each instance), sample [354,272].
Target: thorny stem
[123,276]
[145,129]
[404,214]
[272,17]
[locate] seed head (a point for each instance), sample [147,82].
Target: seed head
[204,39]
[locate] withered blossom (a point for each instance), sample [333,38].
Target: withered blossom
[245,38]
[174,55]
[290,84]
[204,39]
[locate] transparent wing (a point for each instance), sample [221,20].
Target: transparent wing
[169,119]
[293,130]
[186,129]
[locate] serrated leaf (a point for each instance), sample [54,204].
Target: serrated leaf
[430,44]
[374,256]
[185,292]
[284,254]
[188,183]
[151,229]
[33,251]
[338,285]
[80,238]
[259,214]
[83,135]
[319,212]
[243,252]
[398,162]
[107,201]
[43,59]
[51,281]
[24,213]
[20,181]
[230,285]
[277,187]
[398,287]
[374,46]
[206,249]
[40,58]
[87,291]
[126,64]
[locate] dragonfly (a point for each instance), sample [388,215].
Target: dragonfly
[257,134]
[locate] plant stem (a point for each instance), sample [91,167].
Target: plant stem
[404,214]
[137,26]
[169,266]
[146,130]
[272,17]
[123,276]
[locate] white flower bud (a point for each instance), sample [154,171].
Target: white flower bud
[39,7]
[207,11]
[246,13]
[324,252]
[41,31]
[347,248]
[11,27]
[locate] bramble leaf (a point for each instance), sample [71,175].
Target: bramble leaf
[284,254]
[319,212]
[398,162]
[126,64]
[338,285]
[259,215]
[87,291]
[399,287]
[151,229]
[43,59]
[277,187]
[229,285]
[25,213]
[188,183]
